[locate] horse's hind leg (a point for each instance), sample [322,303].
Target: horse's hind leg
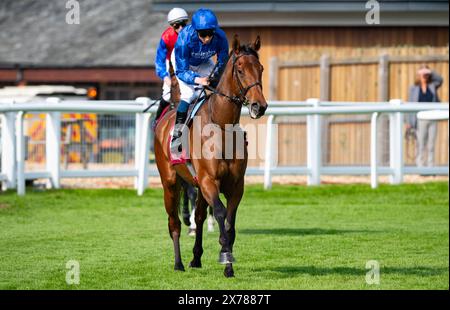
[192,195]
[171,201]
[210,219]
[186,214]
[200,215]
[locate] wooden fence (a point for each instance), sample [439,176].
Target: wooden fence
[364,74]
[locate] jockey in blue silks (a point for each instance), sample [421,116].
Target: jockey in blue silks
[195,46]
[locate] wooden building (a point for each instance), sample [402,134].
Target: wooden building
[112,48]
[363,62]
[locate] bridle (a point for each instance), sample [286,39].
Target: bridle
[241,98]
[243,90]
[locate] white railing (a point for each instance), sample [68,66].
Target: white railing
[13,141]
[313,109]
[12,173]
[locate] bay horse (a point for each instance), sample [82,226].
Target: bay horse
[240,84]
[189,192]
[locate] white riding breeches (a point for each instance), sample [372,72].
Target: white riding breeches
[166,88]
[188,91]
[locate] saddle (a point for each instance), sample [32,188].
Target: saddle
[183,158]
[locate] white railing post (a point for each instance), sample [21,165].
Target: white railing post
[144,153]
[20,153]
[373,151]
[268,154]
[396,144]
[314,162]
[144,147]
[137,145]
[8,150]
[53,144]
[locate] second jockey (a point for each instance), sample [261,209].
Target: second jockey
[177,19]
[195,46]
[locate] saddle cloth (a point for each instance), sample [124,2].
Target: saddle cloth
[183,158]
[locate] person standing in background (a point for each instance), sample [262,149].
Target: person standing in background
[424,90]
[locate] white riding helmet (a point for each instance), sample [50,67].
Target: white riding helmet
[176,14]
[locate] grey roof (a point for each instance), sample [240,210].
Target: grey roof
[301,5]
[317,13]
[110,33]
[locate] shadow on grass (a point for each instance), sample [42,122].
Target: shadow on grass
[323,271]
[301,231]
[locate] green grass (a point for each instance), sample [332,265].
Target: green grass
[291,237]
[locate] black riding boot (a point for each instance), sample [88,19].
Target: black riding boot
[175,145]
[162,105]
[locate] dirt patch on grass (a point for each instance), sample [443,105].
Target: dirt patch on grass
[155,182]
[4,206]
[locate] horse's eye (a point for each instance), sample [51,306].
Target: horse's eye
[239,71]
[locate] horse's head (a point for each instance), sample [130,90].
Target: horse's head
[247,74]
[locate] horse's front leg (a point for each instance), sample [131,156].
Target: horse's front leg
[200,215]
[210,191]
[233,197]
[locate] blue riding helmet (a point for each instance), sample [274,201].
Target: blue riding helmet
[204,19]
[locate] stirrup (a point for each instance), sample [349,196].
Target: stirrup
[176,146]
[176,143]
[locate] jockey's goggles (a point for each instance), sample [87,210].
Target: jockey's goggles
[179,24]
[205,33]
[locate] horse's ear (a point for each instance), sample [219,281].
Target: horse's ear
[257,45]
[236,44]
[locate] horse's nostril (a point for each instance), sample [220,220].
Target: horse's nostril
[261,109]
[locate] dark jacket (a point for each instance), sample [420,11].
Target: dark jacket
[435,82]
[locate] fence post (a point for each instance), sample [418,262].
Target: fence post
[269,153]
[20,147]
[8,150]
[137,146]
[144,146]
[53,144]
[325,96]
[314,146]
[373,151]
[383,78]
[383,96]
[325,77]
[396,144]
[273,78]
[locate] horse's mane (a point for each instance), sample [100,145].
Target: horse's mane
[246,50]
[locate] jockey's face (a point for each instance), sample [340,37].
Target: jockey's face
[205,36]
[178,26]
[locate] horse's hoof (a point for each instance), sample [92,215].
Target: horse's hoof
[228,272]
[191,232]
[195,264]
[186,220]
[179,267]
[226,258]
